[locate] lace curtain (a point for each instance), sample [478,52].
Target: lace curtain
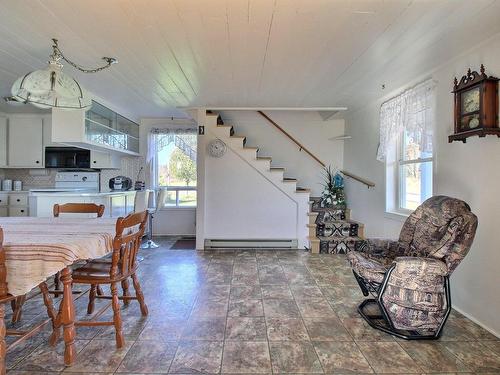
[154,145]
[413,111]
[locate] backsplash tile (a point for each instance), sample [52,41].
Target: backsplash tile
[130,167]
[29,180]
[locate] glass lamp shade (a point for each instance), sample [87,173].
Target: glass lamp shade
[51,88]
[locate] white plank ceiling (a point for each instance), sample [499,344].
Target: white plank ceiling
[286,53]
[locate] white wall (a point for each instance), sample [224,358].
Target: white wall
[242,204]
[239,200]
[168,221]
[467,171]
[307,127]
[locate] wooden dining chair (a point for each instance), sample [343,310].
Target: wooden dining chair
[68,208]
[5,297]
[78,208]
[123,266]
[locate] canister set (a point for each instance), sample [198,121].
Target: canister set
[8,184]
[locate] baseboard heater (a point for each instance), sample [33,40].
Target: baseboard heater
[250,244]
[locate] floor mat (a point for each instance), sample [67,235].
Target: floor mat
[184,244]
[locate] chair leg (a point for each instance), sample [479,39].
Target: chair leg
[92,293]
[3,345]
[51,312]
[99,290]
[56,282]
[18,310]
[125,287]
[117,319]
[139,295]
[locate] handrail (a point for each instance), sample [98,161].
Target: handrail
[368,183]
[292,138]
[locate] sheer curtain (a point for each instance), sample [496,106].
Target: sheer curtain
[159,138]
[413,110]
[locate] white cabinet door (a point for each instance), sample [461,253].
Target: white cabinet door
[118,205]
[3,142]
[104,160]
[25,142]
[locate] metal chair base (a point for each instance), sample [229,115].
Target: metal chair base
[379,322]
[382,320]
[149,244]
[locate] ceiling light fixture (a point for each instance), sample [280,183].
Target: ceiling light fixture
[51,88]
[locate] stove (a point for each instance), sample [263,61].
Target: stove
[73,181]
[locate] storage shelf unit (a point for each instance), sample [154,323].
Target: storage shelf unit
[106,127]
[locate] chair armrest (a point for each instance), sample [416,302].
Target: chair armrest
[380,248]
[418,266]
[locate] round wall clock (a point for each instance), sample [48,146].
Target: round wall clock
[216,148]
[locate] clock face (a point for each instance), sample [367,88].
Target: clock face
[470,100]
[216,148]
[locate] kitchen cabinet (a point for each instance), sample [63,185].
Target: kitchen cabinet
[104,160]
[99,129]
[117,204]
[25,142]
[3,141]
[14,203]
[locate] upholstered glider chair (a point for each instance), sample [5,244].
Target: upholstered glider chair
[409,278]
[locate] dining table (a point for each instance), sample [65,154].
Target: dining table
[37,248]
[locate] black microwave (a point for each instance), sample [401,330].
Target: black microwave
[67,157]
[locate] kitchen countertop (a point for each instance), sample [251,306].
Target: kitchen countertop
[80,193]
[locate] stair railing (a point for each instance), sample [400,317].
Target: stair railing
[362,180]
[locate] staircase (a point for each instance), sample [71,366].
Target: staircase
[319,229]
[331,230]
[263,164]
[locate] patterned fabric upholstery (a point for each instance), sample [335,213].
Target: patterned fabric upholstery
[433,241]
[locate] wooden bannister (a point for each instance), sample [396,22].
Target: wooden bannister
[368,183]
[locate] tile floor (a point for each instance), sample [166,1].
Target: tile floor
[252,312]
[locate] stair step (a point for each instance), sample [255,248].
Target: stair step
[240,137]
[313,239]
[303,190]
[341,238]
[251,148]
[289,180]
[277,169]
[264,158]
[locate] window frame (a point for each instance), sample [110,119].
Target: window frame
[394,182]
[175,188]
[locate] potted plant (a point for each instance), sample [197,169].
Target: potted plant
[333,188]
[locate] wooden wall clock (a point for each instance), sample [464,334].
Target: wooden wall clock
[476,106]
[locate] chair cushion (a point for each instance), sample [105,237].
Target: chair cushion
[368,268]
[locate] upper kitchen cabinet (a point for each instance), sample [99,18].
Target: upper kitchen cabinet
[24,142]
[98,128]
[3,142]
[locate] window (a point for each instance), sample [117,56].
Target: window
[406,132]
[174,165]
[414,171]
